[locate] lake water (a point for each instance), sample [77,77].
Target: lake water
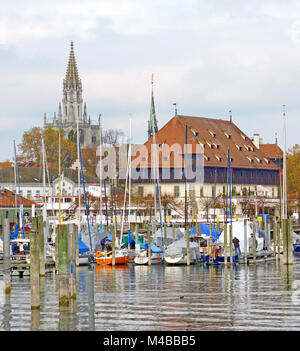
[162,298]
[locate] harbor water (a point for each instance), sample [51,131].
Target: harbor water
[265,296]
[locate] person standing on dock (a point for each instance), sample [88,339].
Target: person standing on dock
[236,244]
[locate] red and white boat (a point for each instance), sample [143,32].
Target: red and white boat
[105,258]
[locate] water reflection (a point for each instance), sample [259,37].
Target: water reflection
[199,297]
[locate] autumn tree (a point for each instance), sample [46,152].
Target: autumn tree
[31,146]
[293,177]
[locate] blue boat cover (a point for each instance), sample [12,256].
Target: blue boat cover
[130,240]
[109,235]
[15,233]
[101,228]
[81,245]
[203,228]
[154,248]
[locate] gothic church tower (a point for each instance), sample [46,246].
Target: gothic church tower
[71,109]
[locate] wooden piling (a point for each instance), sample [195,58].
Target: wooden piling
[34,265]
[72,260]
[173,232]
[287,242]
[63,265]
[77,246]
[225,245]
[6,257]
[188,259]
[230,247]
[42,245]
[113,249]
[278,240]
[165,235]
[245,241]
[149,245]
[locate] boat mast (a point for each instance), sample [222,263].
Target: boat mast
[129,173]
[284,167]
[20,200]
[185,184]
[59,177]
[44,181]
[78,174]
[100,167]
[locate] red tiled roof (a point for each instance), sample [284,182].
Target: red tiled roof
[7,199]
[216,137]
[271,151]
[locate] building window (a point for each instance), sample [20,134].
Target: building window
[273,192]
[93,139]
[141,191]
[201,191]
[213,191]
[176,191]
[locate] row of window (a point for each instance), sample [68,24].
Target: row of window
[242,192]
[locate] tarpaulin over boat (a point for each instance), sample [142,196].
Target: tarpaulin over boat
[159,236]
[154,248]
[81,245]
[15,233]
[179,247]
[204,229]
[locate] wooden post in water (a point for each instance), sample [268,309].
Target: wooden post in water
[113,249]
[288,241]
[6,257]
[225,245]
[245,241]
[149,245]
[63,265]
[278,240]
[230,242]
[77,246]
[266,236]
[173,232]
[34,265]
[72,260]
[165,235]
[188,259]
[41,244]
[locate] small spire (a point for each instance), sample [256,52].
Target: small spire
[276,141]
[175,104]
[230,115]
[45,118]
[84,113]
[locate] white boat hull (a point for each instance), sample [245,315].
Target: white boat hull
[178,260]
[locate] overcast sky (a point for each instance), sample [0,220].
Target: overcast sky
[207,56]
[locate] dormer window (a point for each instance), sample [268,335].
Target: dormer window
[250,159]
[228,136]
[212,133]
[206,157]
[218,158]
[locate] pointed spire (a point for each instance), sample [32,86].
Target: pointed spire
[54,118]
[45,118]
[152,123]
[72,76]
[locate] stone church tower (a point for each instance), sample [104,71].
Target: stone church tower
[71,110]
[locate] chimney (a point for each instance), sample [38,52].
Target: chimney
[256,140]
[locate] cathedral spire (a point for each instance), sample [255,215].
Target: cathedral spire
[72,76]
[152,123]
